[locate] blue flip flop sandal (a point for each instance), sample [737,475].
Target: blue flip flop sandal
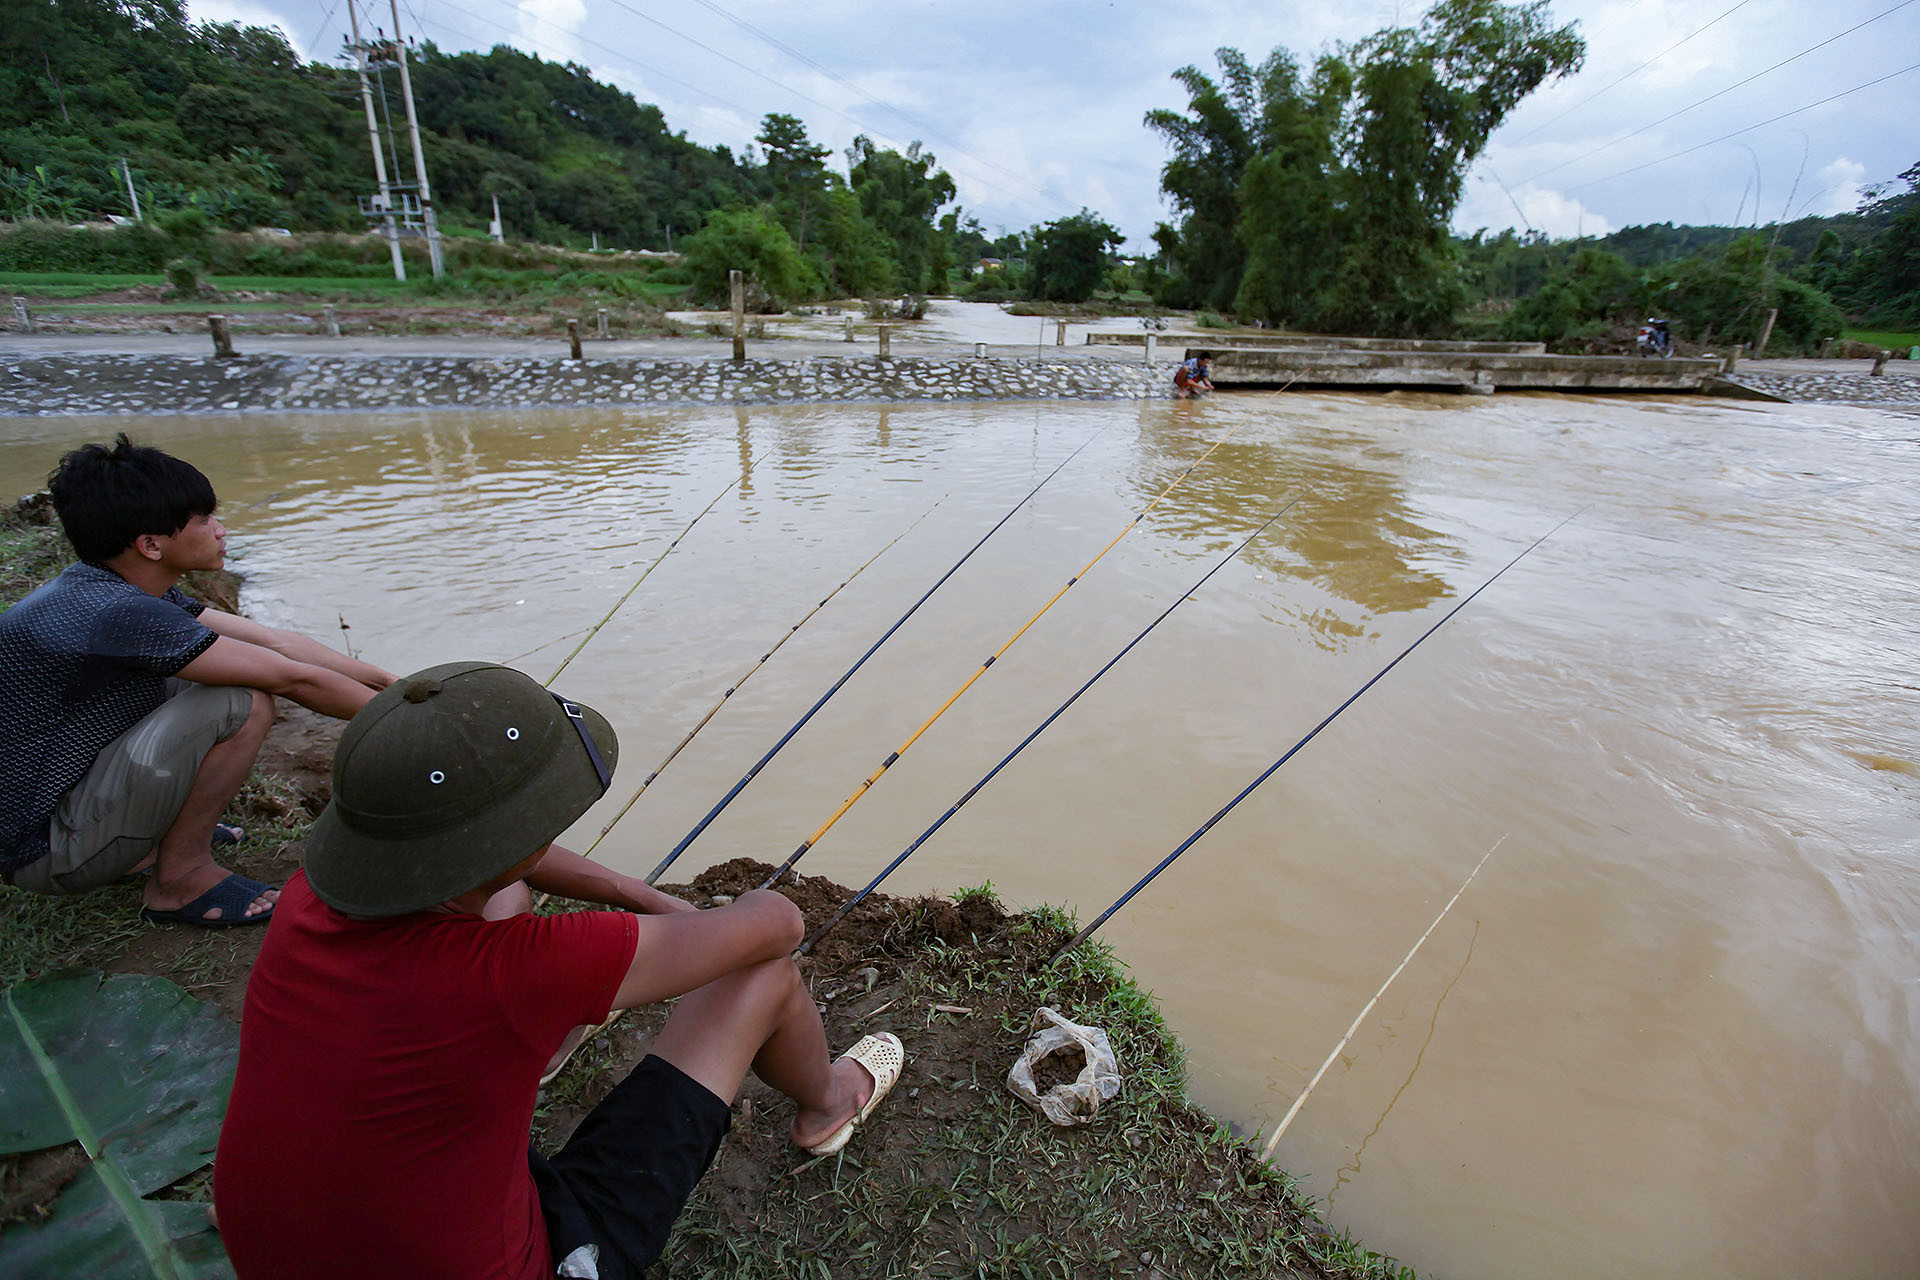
[225,833]
[232,895]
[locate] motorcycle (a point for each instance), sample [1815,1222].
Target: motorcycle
[1654,339]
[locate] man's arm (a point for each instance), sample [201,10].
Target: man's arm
[569,875]
[299,648]
[235,662]
[674,954]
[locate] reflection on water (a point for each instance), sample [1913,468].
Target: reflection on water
[1351,533]
[1684,1043]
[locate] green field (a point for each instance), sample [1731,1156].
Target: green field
[59,285]
[73,284]
[1901,342]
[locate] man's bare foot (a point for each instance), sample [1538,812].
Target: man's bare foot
[852,1086]
[172,893]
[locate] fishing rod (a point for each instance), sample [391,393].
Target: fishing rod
[1312,733]
[734,688]
[1007,759]
[866,784]
[1266,1153]
[595,629]
[787,737]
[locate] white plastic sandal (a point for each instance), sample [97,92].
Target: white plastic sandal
[883,1057]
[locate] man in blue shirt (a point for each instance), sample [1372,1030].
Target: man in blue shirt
[130,713]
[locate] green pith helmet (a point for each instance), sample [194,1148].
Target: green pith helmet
[447,778]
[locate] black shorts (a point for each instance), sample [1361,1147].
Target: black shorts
[627,1171]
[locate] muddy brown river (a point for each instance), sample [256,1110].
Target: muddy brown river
[1667,1032]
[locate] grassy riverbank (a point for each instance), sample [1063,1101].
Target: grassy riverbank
[955,1177]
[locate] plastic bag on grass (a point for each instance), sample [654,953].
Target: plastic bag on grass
[1078,1100]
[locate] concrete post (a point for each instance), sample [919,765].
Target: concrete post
[1060,333]
[573,340]
[737,284]
[1152,341]
[1826,348]
[1880,362]
[222,337]
[332,321]
[604,334]
[849,328]
[1733,357]
[1766,331]
[23,317]
[886,332]
[979,351]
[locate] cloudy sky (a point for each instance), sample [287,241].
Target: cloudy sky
[1717,112]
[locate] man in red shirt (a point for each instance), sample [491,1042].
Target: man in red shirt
[405,1004]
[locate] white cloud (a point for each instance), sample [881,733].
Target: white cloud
[554,24]
[1838,187]
[1561,216]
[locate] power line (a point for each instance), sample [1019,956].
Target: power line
[324,24]
[780,85]
[918,124]
[1623,79]
[1710,97]
[621,60]
[1749,129]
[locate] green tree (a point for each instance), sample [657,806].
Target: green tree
[751,241]
[1427,100]
[1071,256]
[796,167]
[1328,196]
[901,194]
[1212,146]
[848,251]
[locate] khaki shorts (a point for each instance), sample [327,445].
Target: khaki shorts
[115,815]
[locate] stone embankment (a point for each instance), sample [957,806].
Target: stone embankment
[174,384]
[1851,386]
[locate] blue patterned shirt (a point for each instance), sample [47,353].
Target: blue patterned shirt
[83,659]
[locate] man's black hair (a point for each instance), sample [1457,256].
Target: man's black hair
[106,498]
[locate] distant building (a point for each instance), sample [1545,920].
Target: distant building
[991,264]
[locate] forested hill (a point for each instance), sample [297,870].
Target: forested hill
[229,120]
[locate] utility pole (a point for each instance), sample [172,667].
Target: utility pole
[373,132]
[132,199]
[419,157]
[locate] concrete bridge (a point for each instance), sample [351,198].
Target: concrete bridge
[1310,342]
[1456,366]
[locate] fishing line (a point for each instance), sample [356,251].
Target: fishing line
[867,783]
[1266,1152]
[595,629]
[975,789]
[1312,733]
[787,737]
[544,644]
[734,688]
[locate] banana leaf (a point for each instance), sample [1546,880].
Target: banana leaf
[138,1072]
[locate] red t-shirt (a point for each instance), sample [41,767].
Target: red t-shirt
[380,1116]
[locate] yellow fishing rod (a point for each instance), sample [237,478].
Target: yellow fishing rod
[734,688]
[859,662]
[867,783]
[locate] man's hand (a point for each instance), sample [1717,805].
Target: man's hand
[299,648]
